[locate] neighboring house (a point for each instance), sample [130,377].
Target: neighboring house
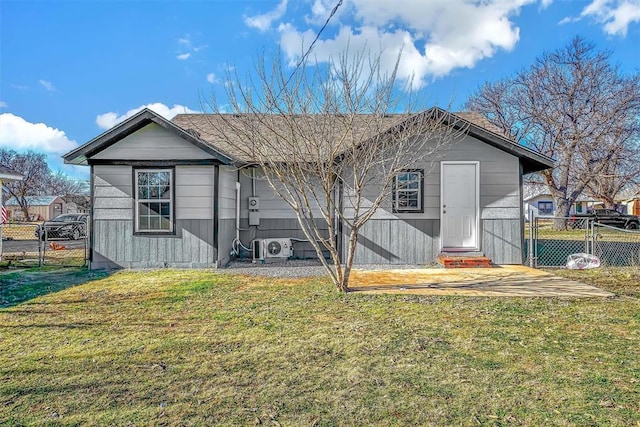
[77,203]
[538,202]
[41,208]
[629,200]
[163,195]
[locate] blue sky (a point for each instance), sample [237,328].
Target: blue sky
[69,70]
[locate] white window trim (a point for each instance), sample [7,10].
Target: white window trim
[137,201]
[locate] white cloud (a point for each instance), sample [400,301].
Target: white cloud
[183,56]
[263,22]
[4,104]
[110,119]
[211,78]
[435,37]
[47,85]
[18,134]
[615,15]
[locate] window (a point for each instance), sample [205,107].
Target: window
[545,208]
[407,191]
[154,200]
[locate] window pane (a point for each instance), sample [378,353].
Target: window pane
[165,209]
[143,178]
[144,223]
[165,224]
[154,223]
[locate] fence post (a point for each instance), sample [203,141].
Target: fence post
[532,247]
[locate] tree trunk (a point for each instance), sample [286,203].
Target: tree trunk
[562,213]
[25,212]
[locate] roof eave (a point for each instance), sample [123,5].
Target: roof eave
[132,124]
[531,160]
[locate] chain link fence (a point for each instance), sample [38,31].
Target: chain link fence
[550,240]
[616,247]
[29,245]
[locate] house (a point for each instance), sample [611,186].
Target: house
[41,208]
[168,193]
[629,200]
[539,202]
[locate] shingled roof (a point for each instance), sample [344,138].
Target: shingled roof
[210,128]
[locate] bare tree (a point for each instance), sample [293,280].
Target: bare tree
[59,183]
[577,108]
[34,169]
[327,143]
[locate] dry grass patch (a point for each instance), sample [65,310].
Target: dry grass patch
[202,348]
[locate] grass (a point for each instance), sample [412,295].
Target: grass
[200,348]
[619,280]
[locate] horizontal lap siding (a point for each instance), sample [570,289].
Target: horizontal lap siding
[194,191]
[153,142]
[113,192]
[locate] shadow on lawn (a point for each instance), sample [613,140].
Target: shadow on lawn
[22,285]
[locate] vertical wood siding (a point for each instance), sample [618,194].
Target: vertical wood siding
[502,240]
[414,241]
[115,246]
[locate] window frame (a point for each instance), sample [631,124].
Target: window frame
[137,201]
[396,190]
[545,212]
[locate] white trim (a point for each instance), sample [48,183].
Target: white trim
[136,201]
[476,163]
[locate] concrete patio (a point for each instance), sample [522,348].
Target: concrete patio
[507,280]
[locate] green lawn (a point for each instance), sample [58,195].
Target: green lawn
[199,348]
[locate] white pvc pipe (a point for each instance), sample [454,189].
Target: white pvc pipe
[237,211]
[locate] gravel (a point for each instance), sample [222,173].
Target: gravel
[297,268]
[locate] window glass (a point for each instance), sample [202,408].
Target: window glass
[154,200]
[407,191]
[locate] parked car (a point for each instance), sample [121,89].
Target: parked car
[65,226]
[609,217]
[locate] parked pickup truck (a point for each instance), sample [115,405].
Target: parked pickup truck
[609,217]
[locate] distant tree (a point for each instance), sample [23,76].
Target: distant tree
[38,179]
[59,183]
[577,108]
[34,169]
[324,129]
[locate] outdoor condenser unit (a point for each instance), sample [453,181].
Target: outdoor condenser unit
[271,249]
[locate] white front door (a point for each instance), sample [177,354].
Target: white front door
[459,210]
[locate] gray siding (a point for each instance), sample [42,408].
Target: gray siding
[227,195]
[115,246]
[112,192]
[152,142]
[414,238]
[226,234]
[194,192]
[414,241]
[280,227]
[502,240]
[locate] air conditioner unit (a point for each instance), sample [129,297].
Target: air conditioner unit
[271,249]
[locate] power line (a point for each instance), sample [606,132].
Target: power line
[304,57]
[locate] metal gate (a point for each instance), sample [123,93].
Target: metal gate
[550,240]
[30,245]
